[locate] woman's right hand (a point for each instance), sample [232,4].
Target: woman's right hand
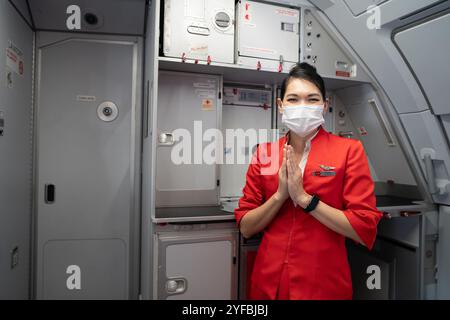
[282,193]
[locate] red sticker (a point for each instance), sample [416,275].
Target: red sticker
[345,74]
[363,131]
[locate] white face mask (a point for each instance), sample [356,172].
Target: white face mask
[303,119]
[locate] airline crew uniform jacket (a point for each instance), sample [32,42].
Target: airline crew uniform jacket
[316,256]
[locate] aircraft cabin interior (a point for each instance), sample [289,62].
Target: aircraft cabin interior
[98,98]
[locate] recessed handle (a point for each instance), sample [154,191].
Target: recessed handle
[166,139]
[432,188]
[382,122]
[49,193]
[176,286]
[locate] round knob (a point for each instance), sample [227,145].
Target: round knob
[107,111]
[223,20]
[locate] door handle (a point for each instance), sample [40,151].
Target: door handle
[49,193]
[432,188]
[176,286]
[166,139]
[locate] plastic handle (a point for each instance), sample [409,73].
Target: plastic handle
[49,193]
[432,188]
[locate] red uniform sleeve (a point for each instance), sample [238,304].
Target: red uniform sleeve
[359,196]
[252,192]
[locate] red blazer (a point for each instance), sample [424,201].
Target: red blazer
[316,256]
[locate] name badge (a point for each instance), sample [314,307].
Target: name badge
[324,173]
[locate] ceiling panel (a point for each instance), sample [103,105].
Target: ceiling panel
[360,6]
[426,47]
[113,16]
[22,6]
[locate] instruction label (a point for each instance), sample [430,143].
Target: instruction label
[287,13]
[85,98]
[14,59]
[202,93]
[208,84]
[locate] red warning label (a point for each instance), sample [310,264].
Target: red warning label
[344,74]
[14,59]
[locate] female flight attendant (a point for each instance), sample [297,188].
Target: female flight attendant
[320,193]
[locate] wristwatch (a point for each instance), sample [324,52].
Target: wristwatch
[312,204]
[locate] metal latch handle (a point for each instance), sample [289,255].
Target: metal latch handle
[176,286]
[166,139]
[432,188]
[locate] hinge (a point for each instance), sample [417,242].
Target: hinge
[436,272]
[234,260]
[436,266]
[218,182]
[220,95]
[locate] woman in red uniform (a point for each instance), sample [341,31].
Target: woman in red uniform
[320,193]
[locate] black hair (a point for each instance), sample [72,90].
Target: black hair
[304,71]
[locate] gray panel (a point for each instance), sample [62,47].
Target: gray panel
[359,6]
[99,265]
[340,123]
[114,16]
[89,161]
[195,99]
[247,73]
[148,147]
[197,265]
[191,28]
[446,124]
[405,230]
[321,50]
[245,118]
[426,47]
[342,120]
[427,138]
[15,155]
[294,3]
[407,245]
[399,266]
[360,260]
[22,6]
[205,213]
[367,114]
[379,53]
[279,25]
[443,287]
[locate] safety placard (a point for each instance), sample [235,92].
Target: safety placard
[287,12]
[14,59]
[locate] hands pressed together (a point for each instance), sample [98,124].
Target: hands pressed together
[290,182]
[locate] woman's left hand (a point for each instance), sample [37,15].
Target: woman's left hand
[295,180]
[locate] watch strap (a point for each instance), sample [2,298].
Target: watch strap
[312,204]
